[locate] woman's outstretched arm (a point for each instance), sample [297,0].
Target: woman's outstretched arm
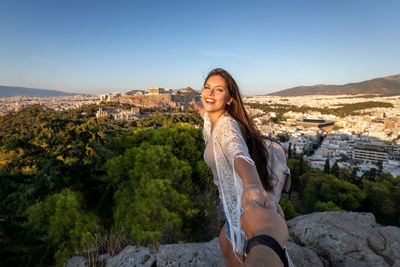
[248,172]
[235,150]
[251,181]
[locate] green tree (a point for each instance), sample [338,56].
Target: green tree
[354,179]
[384,176]
[297,167]
[343,158]
[383,199]
[370,175]
[305,177]
[301,164]
[154,204]
[327,187]
[282,138]
[344,174]
[151,211]
[327,166]
[335,170]
[380,167]
[61,221]
[288,209]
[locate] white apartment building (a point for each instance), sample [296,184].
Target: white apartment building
[372,155]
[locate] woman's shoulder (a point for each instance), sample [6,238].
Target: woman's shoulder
[227,122]
[227,129]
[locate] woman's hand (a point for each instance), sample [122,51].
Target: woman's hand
[254,192]
[199,109]
[265,220]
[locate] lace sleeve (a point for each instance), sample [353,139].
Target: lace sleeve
[232,142]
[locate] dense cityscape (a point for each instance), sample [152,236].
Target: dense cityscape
[365,139]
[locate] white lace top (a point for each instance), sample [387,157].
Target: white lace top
[228,144]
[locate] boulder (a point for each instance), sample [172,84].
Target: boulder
[347,238]
[302,256]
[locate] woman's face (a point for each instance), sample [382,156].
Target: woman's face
[215,95]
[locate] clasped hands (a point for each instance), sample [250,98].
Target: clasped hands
[255,192]
[262,215]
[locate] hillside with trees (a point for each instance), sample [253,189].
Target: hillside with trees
[71,183]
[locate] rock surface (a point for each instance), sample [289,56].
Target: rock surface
[132,256]
[347,238]
[302,256]
[76,261]
[195,254]
[317,239]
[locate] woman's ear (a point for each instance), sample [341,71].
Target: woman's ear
[229,101]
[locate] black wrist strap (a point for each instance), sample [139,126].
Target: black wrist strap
[268,241]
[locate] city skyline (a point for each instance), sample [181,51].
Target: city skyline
[97,47]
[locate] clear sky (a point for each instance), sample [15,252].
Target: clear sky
[104,46]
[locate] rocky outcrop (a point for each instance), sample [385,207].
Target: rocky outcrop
[318,239]
[132,256]
[159,100]
[195,254]
[302,256]
[347,238]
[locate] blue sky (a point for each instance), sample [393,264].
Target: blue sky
[105,46]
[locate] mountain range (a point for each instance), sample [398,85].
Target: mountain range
[385,86]
[10,91]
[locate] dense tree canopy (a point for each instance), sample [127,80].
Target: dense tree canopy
[68,177]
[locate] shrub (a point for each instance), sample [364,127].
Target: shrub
[326,206]
[288,209]
[327,187]
[62,221]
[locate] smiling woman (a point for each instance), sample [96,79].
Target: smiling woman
[238,156]
[215,97]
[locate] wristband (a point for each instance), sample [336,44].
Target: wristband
[268,241]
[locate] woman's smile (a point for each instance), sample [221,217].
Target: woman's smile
[210,100]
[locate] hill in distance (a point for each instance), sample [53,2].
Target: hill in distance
[10,91]
[385,86]
[187,91]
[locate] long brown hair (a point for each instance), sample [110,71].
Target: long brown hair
[251,135]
